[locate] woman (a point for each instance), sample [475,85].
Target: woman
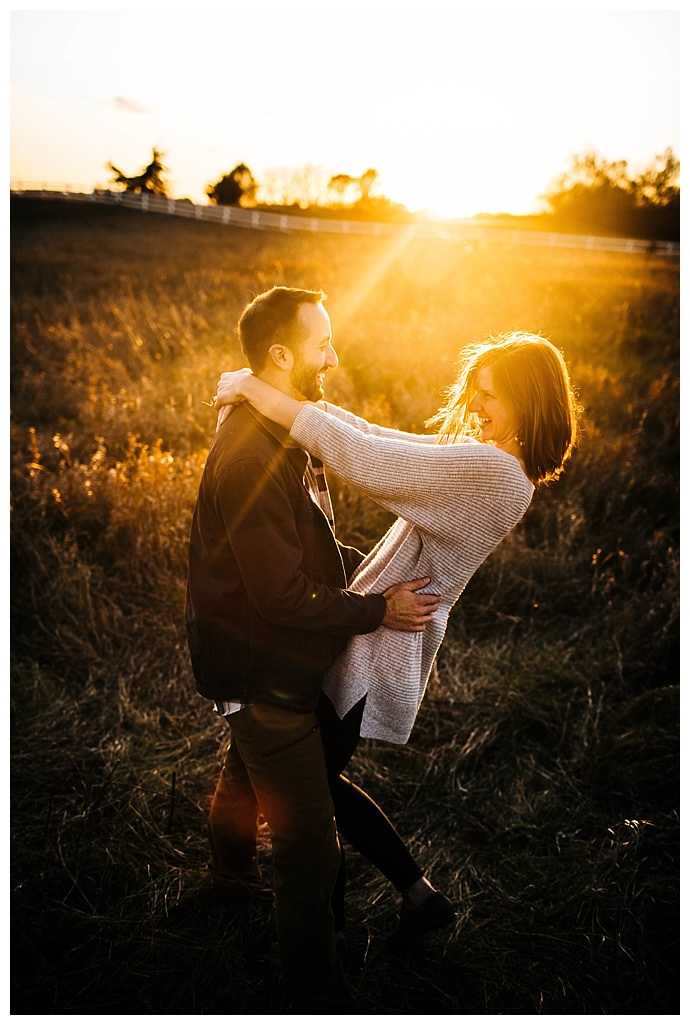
[508,426]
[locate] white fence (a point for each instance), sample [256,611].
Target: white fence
[465,231]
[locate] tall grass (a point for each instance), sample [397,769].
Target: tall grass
[540,785]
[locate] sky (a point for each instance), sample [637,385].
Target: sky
[460,113]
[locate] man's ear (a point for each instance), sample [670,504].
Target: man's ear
[281,357]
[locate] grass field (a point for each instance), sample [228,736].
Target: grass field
[540,787]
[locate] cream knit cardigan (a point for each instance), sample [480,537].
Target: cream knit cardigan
[455,504]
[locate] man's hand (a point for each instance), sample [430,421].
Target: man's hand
[406,610]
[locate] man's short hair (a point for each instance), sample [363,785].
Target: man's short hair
[273,318]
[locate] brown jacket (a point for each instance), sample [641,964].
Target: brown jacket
[268,609]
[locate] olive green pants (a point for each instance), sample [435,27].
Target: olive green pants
[275,764]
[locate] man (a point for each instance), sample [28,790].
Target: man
[268,610]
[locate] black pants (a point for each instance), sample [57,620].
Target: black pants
[359,819]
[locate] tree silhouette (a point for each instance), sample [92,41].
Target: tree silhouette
[658,184]
[343,185]
[366,183]
[149,180]
[234,188]
[340,185]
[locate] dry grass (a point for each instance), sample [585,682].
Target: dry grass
[540,786]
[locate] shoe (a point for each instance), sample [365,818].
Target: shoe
[433,913]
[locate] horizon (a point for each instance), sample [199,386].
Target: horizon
[452,138]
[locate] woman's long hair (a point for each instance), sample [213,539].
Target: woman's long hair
[530,373]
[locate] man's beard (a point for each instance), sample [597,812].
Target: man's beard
[305,380]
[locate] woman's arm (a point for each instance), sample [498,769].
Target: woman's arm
[241,385]
[431,486]
[366,427]
[237,386]
[410,479]
[391,466]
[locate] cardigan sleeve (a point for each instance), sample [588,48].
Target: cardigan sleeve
[365,427]
[428,485]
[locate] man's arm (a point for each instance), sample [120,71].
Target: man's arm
[259,523]
[405,610]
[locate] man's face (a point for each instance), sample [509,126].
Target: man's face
[315,355]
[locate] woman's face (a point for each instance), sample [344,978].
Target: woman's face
[498,421]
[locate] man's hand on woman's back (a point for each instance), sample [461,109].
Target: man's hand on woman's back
[408,610]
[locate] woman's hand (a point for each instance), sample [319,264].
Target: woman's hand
[243,386]
[229,392]
[229,388]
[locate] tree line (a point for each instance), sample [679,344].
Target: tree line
[595,192]
[592,196]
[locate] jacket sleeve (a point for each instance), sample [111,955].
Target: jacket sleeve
[261,525]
